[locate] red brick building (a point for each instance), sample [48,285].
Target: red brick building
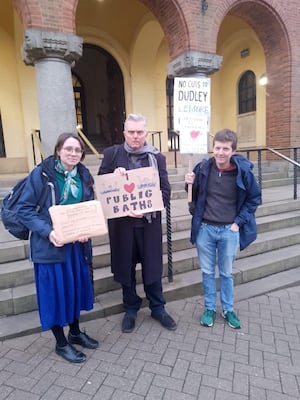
[91,62]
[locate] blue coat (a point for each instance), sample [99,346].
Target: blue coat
[41,178]
[248,198]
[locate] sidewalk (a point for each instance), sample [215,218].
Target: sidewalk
[259,362]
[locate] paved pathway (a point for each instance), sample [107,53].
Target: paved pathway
[259,362]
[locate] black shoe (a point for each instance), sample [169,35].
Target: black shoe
[69,353]
[128,323]
[83,340]
[166,320]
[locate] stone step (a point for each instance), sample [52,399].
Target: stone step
[278,226]
[17,273]
[287,224]
[266,254]
[186,285]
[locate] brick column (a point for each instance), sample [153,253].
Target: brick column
[53,54]
[194,64]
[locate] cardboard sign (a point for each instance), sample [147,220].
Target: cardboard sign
[72,221]
[137,191]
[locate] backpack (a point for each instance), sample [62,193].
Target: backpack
[9,211]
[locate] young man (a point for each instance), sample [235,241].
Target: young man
[226,196]
[137,238]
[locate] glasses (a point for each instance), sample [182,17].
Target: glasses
[70,149]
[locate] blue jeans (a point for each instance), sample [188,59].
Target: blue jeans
[217,244]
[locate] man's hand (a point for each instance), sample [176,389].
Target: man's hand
[134,215]
[120,171]
[189,178]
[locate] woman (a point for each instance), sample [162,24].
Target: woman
[62,276]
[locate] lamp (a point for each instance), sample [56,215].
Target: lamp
[263,80]
[204,6]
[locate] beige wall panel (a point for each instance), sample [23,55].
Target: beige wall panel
[235,36]
[10,104]
[149,61]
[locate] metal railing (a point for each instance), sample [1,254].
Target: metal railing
[37,145]
[258,152]
[88,143]
[154,135]
[174,144]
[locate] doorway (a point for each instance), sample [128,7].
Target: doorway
[99,97]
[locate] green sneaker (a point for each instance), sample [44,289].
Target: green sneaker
[231,319]
[208,318]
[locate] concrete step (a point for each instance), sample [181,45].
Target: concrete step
[186,285]
[278,227]
[17,292]
[15,265]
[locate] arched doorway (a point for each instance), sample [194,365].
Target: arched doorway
[99,96]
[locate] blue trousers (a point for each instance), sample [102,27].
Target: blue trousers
[217,244]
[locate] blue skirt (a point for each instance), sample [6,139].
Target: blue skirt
[63,289]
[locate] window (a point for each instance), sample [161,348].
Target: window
[247,93]
[78,97]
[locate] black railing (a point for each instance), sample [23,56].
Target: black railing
[154,136]
[174,144]
[255,154]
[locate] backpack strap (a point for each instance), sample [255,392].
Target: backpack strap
[44,194]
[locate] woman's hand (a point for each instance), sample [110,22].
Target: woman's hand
[83,239]
[189,178]
[53,239]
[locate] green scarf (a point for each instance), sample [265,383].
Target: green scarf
[71,187]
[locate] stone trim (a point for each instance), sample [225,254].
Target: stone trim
[39,44]
[195,62]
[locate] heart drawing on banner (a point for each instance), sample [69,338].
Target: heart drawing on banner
[194,134]
[129,188]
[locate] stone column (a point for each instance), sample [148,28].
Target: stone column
[53,54]
[194,64]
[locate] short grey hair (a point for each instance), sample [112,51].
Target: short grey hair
[136,118]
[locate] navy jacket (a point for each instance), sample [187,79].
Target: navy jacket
[248,198]
[42,178]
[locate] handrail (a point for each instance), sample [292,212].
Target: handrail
[153,133]
[174,143]
[275,151]
[284,157]
[36,141]
[88,143]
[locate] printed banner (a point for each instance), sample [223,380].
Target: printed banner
[192,113]
[137,191]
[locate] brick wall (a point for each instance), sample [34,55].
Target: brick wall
[276,23]
[53,15]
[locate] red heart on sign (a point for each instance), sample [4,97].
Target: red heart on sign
[195,134]
[129,188]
